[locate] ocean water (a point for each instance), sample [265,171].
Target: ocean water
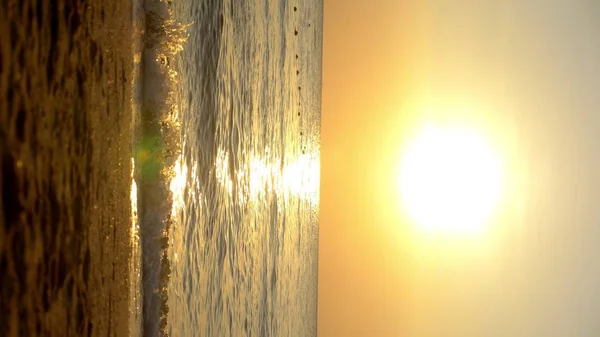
[228,217]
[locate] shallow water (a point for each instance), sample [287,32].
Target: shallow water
[229,236]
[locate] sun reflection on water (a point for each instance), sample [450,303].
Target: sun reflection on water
[177,186]
[222,170]
[301,177]
[298,177]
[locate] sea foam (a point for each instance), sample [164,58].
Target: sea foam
[157,147]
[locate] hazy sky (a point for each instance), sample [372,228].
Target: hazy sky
[530,72]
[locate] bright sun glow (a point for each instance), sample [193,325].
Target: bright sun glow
[450,180]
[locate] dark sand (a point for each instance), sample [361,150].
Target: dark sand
[65,143]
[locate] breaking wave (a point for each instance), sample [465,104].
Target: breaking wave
[157,147]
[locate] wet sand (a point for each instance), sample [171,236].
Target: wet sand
[65,143]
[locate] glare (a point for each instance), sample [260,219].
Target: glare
[301,177]
[222,170]
[177,185]
[297,177]
[133,197]
[450,180]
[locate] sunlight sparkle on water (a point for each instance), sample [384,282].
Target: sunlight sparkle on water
[177,185]
[298,177]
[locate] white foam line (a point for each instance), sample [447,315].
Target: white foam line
[136,298]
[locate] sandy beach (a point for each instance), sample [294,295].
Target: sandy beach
[66,144]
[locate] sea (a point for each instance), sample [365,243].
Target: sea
[226,168]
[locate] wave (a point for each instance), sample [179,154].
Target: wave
[157,147]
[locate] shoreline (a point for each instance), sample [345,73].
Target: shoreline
[156,150]
[135,269]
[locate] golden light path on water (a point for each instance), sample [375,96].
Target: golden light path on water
[297,178]
[177,186]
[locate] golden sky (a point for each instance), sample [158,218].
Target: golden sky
[527,73]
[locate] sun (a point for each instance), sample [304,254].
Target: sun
[450,180]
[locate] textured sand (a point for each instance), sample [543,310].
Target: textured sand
[65,143]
